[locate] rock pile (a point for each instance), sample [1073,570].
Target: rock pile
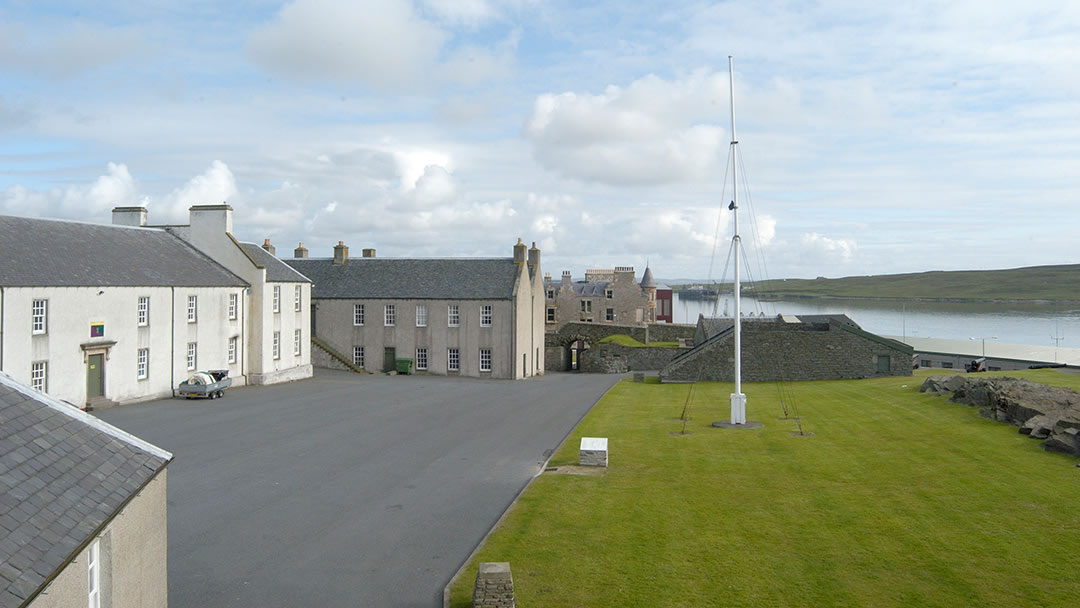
[1048,413]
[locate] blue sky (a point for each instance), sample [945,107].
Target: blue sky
[901,137]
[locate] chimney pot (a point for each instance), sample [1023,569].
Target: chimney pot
[267,246]
[368,252]
[341,253]
[300,251]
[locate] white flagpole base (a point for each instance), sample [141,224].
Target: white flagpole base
[738,408]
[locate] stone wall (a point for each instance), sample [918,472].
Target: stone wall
[494,586]
[323,359]
[791,351]
[669,332]
[616,359]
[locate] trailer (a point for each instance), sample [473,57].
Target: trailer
[210,384]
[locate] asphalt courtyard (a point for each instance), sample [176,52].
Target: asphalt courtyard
[347,490]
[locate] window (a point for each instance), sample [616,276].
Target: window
[421,358]
[358,314]
[358,355]
[93,575]
[192,304]
[144,311]
[39,317]
[142,367]
[296,342]
[298,298]
[232,349]
[421,315]
[586,306]
[452,363]
[925,363]
[551,314]
[946,364]
[485,359]
[551,294]
[39,376]
[609,293]
[232,306]
[191,350]
[609,314]
[389,316]
[453,315]
[485,315]
[277,298]
[883,363]
[277,345]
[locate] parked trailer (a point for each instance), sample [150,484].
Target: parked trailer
[210,384]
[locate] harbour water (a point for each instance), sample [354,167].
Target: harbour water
[1035,324]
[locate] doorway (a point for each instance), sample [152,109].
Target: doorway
[389,362]
[95,376]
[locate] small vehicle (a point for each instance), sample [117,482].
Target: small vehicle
[210,384]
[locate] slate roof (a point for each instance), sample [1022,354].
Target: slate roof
[63,475]
[38,252]
[591,290]
[410,278]
[276,270]
[647,279]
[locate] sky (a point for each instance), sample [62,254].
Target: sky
[873,137]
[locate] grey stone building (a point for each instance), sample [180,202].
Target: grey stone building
[804,347]
[605,296]
[455,316]
[82,508]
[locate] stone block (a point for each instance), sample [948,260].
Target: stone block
[494,586]
[594,452]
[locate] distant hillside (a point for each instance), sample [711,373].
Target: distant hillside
[1049,283]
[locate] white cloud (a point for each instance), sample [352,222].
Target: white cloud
[651,132]
[116,188]
[66,50]
[828,249]
[214,186]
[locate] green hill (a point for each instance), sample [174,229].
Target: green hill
[1047,283]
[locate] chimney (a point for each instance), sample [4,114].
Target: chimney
[300,251]
[566,277]
[267,246]
[129,216]
[341,253]
[534,258]
[368,252]
[519,252]
[210,219]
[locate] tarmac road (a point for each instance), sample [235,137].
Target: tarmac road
[347,490]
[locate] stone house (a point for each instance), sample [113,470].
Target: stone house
[804,347]
[605,296]
[103,314]
[453,316]
[83,513]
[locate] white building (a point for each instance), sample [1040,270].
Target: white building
[96,315]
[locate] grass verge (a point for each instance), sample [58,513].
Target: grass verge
[897,499]
[625,340]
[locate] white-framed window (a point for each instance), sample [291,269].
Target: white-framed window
[586,306]
[609,314]
[453,361]
[485,359]
[609,293]
[142,365]
[485,315]
[232,349]
[298,298]
[421,315]
[192,308]
[144,311]
[39,317]
[551,294]
[39,375]
[421,358]
[192,350]
[551,314]
[93,575]
[277,298]
[453,315]
[277,345]
[233,298]
[358,314]
[389,315]
[296,342]
[358,355]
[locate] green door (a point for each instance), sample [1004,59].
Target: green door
[95,376]
[389,362]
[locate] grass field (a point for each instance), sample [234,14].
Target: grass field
[626,340]
[1050,283]
[896,499]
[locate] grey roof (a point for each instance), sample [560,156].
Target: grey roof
[38,252]
[827,318]
[276,270]
[647,279]
[63,475]
[410,278]
[592,289]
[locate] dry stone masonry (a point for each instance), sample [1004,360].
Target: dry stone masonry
[494,586]
[593,452]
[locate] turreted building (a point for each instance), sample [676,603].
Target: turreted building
[605,296]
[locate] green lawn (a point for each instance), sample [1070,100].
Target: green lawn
[627,340]
[897,499]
